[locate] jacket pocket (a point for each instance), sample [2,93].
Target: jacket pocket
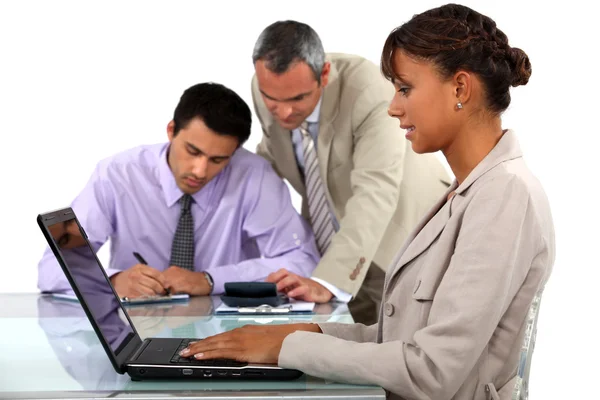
[423,293]
[424,289]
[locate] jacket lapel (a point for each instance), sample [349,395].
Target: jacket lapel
[433,223]
[424,233]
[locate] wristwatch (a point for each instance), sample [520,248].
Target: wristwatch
[211,283]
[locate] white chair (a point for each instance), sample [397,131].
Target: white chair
[521,390]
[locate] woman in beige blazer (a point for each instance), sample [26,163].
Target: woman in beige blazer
[457,294]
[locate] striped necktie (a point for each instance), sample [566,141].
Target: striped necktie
[318,207]
[182,251]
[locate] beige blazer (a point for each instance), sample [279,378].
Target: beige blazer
[377,186]
[456,297]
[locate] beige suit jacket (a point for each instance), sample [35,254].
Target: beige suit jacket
[378,187]
[456,298]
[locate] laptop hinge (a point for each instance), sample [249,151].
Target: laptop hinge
[137,353]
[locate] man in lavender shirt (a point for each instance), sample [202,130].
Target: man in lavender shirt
[245,226]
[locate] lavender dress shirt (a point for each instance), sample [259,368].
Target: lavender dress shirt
[245,224]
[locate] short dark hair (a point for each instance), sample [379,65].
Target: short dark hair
[220,108]
[286,42]
[455,37]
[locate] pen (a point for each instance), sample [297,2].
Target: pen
[141,260]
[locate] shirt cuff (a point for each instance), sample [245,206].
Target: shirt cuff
[110,272]
[219,277]
[338,293]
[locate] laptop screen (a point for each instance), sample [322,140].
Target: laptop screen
[88,276]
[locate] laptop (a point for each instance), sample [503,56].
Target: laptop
[148,359]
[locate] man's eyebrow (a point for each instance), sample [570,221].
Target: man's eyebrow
[194,148]
[288,99]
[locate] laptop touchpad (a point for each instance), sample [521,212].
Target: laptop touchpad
[159,350]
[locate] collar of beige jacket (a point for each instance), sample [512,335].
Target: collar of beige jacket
[331,96]
[507,149]
[329,109]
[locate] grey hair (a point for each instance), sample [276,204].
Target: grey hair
[286,42]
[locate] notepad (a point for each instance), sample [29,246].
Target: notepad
[154,299]
[292,307]
[134,301]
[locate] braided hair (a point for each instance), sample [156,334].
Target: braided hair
[454,37]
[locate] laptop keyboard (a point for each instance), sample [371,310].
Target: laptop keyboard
[217,362]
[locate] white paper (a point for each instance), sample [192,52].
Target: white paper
[292,306]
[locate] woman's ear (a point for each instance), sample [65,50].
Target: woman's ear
[463,87]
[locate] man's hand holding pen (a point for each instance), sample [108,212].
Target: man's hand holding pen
[143,280]
[139,280]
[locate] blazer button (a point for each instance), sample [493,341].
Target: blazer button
[388,309]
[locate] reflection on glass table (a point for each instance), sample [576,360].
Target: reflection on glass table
[79,352]
[195,319]
[76,345]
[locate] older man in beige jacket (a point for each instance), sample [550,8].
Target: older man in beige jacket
[363,171]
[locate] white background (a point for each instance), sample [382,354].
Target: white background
[100,77]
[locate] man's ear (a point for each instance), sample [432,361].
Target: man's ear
[171,130]
[325,73]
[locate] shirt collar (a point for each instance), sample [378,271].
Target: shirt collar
[314,116]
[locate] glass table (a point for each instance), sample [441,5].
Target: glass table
[50,351]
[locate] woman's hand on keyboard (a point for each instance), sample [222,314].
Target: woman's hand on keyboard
[250,343]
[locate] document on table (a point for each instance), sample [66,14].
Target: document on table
[292,307]
[134,301]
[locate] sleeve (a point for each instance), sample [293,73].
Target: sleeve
[352,332]
[94,208]
[497,243]
[375,183]
[281,235]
